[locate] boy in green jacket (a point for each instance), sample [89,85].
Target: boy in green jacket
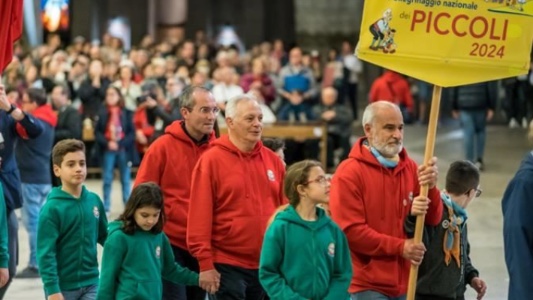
[71,223]
[305,255]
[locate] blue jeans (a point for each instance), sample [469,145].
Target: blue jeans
[33,196]
[371,295]
[110,159]
[84,293]
[474,124]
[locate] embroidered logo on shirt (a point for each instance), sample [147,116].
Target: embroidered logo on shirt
[445,224]
[270,175]
[331,249]
[157,251]
[96,212]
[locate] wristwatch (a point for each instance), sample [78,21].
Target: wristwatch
[12,109]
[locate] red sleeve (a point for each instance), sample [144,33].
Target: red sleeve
[282,197]
[152,164]
[200,220]
[348,211]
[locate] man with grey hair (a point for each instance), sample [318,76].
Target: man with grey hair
[236,187]
[371,195]
[169,162]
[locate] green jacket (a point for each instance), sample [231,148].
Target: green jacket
[132,266]
[305,260]
[68,232]
[4,252]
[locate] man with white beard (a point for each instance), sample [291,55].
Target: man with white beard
[370,197]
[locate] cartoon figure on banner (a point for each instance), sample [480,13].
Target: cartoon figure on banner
[517,4]
[389,46]
[379,29]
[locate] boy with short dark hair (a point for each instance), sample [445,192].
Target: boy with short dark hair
[71,223]
[446,268]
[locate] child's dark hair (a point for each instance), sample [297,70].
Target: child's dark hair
[273,144]
[65,147]
[297,174]
[143,195]
[462,177]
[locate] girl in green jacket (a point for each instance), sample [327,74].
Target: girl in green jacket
[305,255]
[137,254]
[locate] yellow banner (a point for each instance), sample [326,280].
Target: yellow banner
[448,43]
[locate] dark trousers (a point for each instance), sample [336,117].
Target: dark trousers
[238,284]
[518,102]
[336,141]
[173,291]
[349,94]
[12,232]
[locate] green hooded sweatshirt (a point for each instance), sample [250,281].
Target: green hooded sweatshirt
[4,253]
[69,229]
[132,265]
[305,260]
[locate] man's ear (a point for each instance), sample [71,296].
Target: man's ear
[229,122]
[184,112]
[367,128]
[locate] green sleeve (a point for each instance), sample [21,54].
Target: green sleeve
[112,260]
[47,236]
[102,223]
[4,252]
[269,265]
[342,269]
[171,270]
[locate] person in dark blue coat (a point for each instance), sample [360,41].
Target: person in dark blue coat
[517,206]
[12,117]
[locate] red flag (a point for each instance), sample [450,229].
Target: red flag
[11,30]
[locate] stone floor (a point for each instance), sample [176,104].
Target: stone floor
[505,149]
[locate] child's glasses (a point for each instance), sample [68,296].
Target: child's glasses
[478,192]
[320,179]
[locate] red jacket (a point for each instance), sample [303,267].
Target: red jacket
[370,203]
[169,162]
[392,87]
[140,122]
[232,197]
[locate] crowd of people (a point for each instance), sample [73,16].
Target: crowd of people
[221,215]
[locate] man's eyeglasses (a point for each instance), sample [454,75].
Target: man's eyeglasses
[321,180]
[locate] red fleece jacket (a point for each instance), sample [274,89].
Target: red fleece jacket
[370,203]
[169,162]
[233,195]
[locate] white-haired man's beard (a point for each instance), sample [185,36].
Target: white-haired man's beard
[388,149]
